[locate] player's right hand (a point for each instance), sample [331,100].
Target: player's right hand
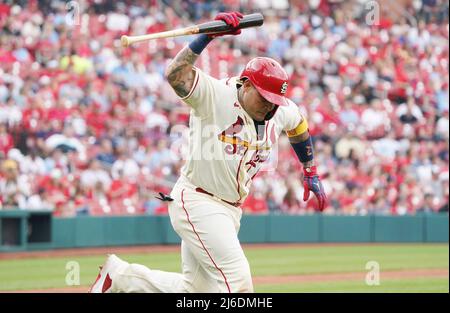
[312,183]
[232,19]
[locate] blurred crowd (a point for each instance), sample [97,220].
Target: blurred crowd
[87,127]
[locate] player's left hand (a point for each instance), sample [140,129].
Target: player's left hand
[232,19]
[311,182]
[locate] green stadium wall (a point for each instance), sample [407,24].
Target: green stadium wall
[144,230]
[89,231]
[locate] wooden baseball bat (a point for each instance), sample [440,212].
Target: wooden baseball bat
[213,27]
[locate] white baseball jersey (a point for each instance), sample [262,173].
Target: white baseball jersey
[225,153]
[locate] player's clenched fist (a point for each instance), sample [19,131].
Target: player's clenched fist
[311,182]
[232,19]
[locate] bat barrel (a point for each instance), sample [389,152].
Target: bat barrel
[250,20]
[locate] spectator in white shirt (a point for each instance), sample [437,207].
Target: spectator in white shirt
[94,174]
[126,165]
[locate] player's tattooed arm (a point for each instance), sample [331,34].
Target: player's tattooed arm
[180,72]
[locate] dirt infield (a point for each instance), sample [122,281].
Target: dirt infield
[309,278]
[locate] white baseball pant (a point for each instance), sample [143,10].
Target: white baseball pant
[212,257]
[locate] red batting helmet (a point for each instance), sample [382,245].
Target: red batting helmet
[269,78]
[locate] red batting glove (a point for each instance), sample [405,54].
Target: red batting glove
[311,182]
[232,19]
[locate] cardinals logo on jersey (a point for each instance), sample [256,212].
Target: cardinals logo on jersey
[235,128]
[238,145]
[230,136]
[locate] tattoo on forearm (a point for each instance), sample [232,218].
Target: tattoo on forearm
[179,72]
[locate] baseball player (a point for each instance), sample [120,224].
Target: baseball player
[234,124]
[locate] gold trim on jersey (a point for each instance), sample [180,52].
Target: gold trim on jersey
[300,129]
[244,143]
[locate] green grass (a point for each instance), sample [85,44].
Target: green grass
[346,259]
[396,286]
[25,274]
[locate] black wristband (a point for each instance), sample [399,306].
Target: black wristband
[200,43]
[304,150]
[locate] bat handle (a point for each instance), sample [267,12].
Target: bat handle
[128,40]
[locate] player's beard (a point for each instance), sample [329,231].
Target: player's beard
[271,113]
